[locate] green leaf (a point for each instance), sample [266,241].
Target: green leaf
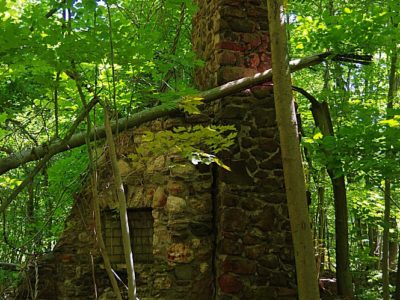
[190,104]
[3,117]
[347,10]
[390,122]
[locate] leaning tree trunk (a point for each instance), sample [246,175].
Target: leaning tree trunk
[76,140]
[322,119]
[98,232]
[119,188]
[291,157]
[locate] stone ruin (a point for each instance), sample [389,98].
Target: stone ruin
[198,232]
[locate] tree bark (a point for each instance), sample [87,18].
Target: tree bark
[321,232]
[98,232]
[386,221]
[291,157]
[78,139]
[385,243]
[343,272]
[397,293]
[322,119]
[122,208]
[99,238]
[393,246]
[372,240]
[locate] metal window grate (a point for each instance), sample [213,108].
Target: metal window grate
[141,232]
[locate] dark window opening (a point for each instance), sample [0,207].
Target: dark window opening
[141,233]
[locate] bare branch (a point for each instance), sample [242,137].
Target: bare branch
[47,156]
[9,266]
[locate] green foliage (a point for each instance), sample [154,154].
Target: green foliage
[50,64]
[343,27]
[198,143]
[365,146]
[130,54]
[190,104]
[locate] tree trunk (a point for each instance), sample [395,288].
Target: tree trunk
[321,226]
[359,225]
[343,273]
[98,232]
[99,236]
[393,246]
[372,240]
[291,157]
[385,243]
[30,211]
[386,221]
[397,293]
[322,119]
[119,189]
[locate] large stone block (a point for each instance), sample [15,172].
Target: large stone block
[159,198]
[175,205]
[228,73]
[180,253]
[230,284]
[233,219]
[238,265]
[242,25]
[184,272]
[232,247]
[238,174]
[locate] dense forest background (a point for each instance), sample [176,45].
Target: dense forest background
[56,58]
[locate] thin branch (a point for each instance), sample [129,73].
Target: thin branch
[164,84]
[354,58]
[48,156]
[110,33]
[21,126]
[52,11]
[9,266]
[56,102]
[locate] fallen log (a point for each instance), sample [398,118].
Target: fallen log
[16,160]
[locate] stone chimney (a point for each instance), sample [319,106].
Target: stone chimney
[254,254]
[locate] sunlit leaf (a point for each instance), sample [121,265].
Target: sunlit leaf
[347,10]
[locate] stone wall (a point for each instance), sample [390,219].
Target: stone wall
[216,234]
[179,194]
[180,199]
